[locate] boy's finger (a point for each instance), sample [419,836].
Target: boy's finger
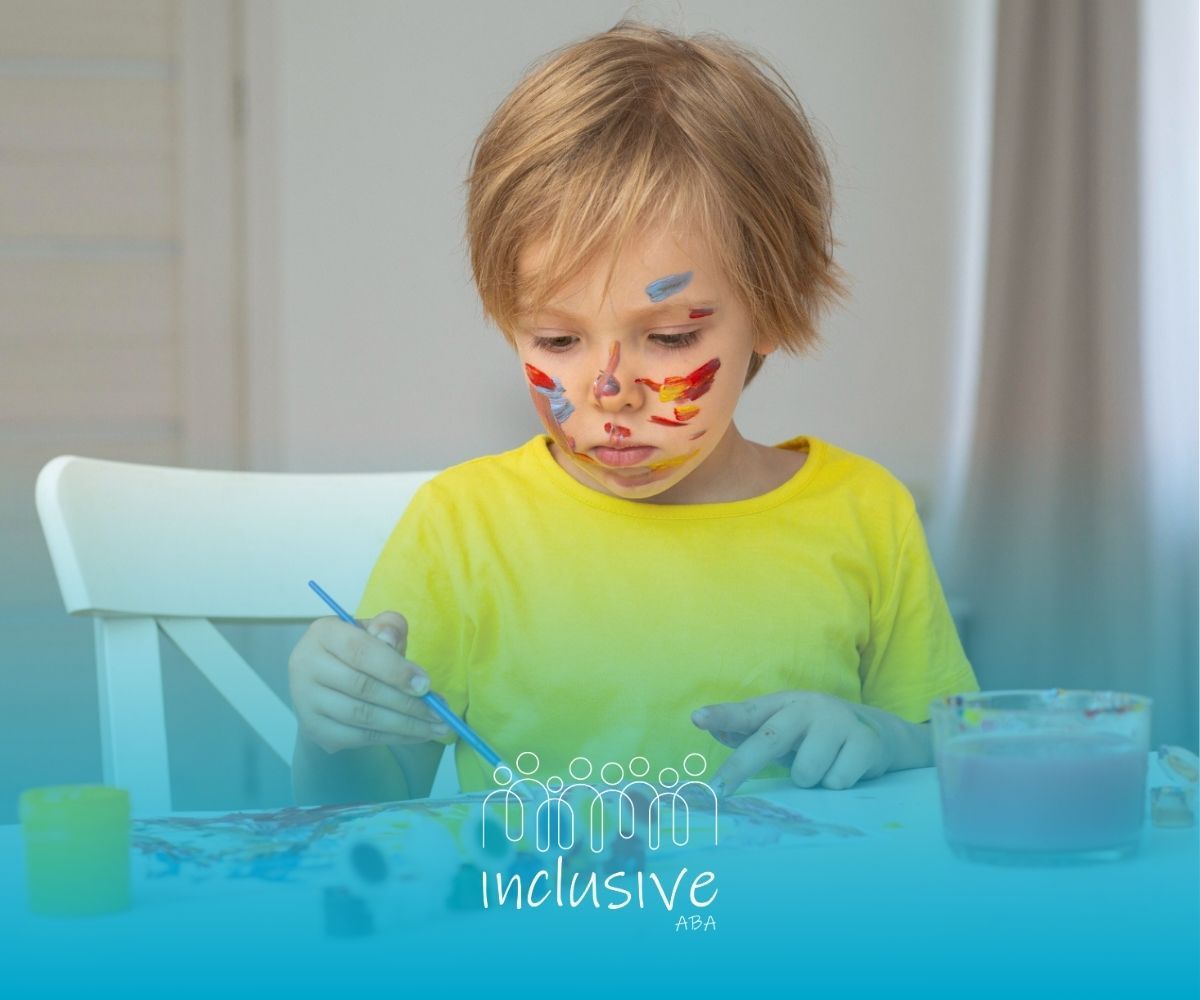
[362,715]
[742,716]
[776,736]
[851,763]
[368,655]
[390,627]
[816,753]
[336,676]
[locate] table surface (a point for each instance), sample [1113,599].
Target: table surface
[858,914]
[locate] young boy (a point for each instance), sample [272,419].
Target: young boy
[649,218]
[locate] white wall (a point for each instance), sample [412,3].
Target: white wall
[383,360]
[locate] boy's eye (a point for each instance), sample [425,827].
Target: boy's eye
[556,345]
[675,341]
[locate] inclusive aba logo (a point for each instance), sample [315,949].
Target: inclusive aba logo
[585,839]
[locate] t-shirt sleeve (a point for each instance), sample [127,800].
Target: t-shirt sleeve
[914,654]
[419,574]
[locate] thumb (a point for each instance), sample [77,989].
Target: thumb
[390,627]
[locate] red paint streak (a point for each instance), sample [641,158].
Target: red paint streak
[691,386]
[699,313]
[666,423]
[538,378]
[616,430]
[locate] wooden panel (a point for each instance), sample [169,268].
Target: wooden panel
[132,381]
[132,29]
[64,195]
[131,117]
[91,301]
[92,245]
[208,261]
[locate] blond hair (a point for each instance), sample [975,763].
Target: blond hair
[638,126]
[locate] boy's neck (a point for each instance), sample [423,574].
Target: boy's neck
[737,469]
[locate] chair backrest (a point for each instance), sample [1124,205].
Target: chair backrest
[142,548]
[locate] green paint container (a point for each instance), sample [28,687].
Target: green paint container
[76,849]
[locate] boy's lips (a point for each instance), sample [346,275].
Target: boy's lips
[625,454]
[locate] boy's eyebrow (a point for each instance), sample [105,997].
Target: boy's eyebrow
[695,310]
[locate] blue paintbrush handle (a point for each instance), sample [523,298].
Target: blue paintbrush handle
[432,699]
[473,739]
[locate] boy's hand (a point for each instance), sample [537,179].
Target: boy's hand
[352,688]
[825,739]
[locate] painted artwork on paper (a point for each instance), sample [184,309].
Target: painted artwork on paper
[307,844]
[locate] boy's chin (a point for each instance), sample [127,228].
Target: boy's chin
[641,485]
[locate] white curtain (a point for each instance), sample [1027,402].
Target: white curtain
[1077,543]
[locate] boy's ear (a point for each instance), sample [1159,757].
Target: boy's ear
[764,346]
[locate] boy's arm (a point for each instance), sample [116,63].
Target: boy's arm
[363,774]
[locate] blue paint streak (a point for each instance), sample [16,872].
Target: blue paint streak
[664,287]
[560,406]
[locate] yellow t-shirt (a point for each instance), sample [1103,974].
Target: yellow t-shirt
[566,622]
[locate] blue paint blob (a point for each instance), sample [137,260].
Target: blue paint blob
[665,287]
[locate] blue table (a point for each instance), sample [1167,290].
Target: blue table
[890,913]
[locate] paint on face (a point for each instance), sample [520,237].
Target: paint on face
[670,463]
[699,313]
[552,389]
[690,387]
[542,405]
[682,415]
[549,399]
[666,287]
[698,434]
[615,432]
[606,383]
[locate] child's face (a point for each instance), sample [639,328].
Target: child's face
[638,387]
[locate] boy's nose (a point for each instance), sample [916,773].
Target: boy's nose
[612,388]
[616,393]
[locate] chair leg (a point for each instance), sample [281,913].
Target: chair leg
[133,731]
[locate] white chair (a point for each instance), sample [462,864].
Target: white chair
[142,548]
